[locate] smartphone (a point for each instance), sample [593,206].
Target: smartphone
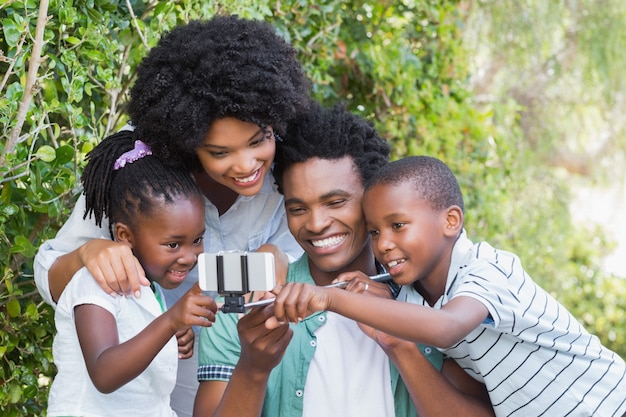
[232,273]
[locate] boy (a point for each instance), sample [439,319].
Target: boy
[325,365]
[475,303]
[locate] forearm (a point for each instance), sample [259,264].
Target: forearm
[62,271]
[244,394]
[120,364]
[424,383]
[390,316]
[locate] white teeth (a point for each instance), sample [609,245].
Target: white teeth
[247,179]
[330,241]
[394,263]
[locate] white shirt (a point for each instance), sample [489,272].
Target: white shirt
[349,373]
[73,393]
[534,357]
[248,224]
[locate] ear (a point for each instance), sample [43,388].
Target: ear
[122,233]
[453,221]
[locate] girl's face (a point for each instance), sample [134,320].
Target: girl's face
[238,154]
[167,244]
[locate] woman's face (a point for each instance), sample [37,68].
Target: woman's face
[238,154]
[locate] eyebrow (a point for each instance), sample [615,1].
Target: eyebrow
[325,196]
[250,139]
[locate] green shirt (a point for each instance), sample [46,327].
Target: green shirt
[219,351]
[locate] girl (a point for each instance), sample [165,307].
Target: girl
[117,355]
[211,97]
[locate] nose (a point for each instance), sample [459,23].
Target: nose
[245,163]
[384,243]
[318,221]
[188,256]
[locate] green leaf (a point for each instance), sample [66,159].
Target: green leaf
[24,246]
[13,308]
[15,393]
[64,154]
[46,153]
[72,40]
[11,32]
[32,312]
[10,210]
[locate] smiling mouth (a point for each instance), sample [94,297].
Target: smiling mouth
[396,262]
[329,241]
[250,178]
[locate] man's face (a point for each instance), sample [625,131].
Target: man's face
[323,204]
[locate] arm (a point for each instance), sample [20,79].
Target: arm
[435,327]
[112,265]
[112,364]
[58,259]
[456,393]
[261,351]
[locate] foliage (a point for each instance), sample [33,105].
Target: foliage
[401,64]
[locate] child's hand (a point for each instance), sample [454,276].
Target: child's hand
[113,266]
[192,309]
[185,340]
[294,301]
[360,283]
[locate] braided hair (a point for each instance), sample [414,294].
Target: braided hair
[133,190]
[206,70]
[330,134]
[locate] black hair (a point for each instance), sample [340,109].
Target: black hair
[331,133]
[206,70]
[430,177]
[130,191]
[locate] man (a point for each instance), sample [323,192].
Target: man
[325,364]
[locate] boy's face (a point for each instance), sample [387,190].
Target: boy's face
[237,154]
[323,204]
[408,236]
[168,243]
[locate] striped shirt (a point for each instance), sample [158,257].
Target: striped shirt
[533,356]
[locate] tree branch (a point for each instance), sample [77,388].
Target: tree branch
[31,78]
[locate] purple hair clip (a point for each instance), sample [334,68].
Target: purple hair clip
[139,151]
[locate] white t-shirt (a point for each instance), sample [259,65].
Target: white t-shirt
[72,392]
[341,373]
[533,356]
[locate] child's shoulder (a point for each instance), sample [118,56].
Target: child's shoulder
[83,288]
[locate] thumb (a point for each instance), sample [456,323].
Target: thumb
[195,289]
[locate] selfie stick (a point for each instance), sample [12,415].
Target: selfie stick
[342,284]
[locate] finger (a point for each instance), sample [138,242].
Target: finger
[98,275]
[136,277]
[184,337]
[272,323]
[277,289]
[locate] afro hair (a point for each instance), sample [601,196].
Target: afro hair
[331,134]
[206,70]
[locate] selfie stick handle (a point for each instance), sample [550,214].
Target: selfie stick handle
[341,284]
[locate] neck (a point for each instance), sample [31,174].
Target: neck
[221,196]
